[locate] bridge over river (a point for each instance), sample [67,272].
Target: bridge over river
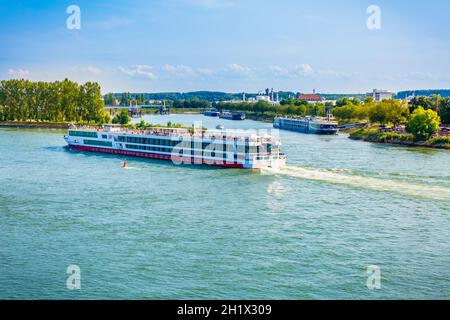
[136,111]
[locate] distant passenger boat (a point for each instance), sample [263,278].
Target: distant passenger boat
[211,113]
[232,115]
[220,127]
[212,148]
[307,125]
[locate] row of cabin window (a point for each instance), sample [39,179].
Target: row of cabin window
[146,148]
[213,154]
[240,149]
[211,146]
[194,145]
[296,124]
[83,134]
[159,142]
[98,143]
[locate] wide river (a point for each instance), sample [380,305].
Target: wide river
[160,231]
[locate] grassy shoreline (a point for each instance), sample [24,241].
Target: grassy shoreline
[375,136]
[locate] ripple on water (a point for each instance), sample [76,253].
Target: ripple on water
[159,231]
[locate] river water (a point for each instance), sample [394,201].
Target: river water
[160,231]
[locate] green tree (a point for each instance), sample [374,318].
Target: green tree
[110,99]
[445,111]
[343,102]
[125,99]
[262,106]
[369,100]
[417,102]
[435,100]
[193,103]
[69,94]
[122,117]
[52,101]
[301,103]
[92,103]
[389,111]
[423,123]
[352,112]
[316,109]
[286,102]
[141,125]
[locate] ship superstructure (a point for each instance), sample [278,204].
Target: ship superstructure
[307,125]
[231,149]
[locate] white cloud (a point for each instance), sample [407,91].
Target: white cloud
[88,69]
[166,71]
[19,73]
[238,69]
[206,72]
[233,71]
[303,70]
[140,71]
[179,71]
[307,71]
[278,71]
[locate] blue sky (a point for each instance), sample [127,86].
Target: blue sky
[229,45]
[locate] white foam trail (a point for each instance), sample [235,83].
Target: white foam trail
[131,168]
[403,187]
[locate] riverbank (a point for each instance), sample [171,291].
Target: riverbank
[263,117]
[376,136]
[34,125]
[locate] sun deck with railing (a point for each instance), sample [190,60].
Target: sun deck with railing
[191,132]
[226,148]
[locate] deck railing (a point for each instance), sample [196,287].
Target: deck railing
[228,135]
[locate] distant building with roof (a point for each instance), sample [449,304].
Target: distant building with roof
[269,96]
[310,97]
[380,95]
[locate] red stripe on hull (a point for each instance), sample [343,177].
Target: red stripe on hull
[153,156]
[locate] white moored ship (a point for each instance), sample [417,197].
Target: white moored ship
[234,149]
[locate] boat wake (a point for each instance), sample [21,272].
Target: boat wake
[379,184]
[131,168]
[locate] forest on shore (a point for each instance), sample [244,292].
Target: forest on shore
[58,102]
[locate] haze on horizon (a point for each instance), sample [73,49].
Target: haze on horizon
[229,45]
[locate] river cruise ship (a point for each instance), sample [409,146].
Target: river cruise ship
[315,125]
[230,149]
[211,113]
[228,115]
